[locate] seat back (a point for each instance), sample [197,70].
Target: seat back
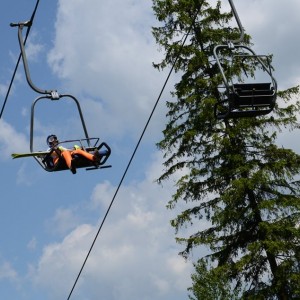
[252,95]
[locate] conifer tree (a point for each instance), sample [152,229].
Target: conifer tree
[236,176]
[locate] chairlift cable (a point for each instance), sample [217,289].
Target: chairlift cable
[19,58]
[132,156]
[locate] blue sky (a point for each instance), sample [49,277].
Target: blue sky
[102,53]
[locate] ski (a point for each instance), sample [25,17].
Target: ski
[19,155]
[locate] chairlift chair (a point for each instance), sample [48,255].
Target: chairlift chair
[242,98]
[53,95]
[46,161]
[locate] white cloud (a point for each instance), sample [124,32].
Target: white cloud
[11,141]
[3,90]
[272,26]
[63,221]
[109,61]
[32,244]
[33,47]
[7,272]
[135,255]
[23,177]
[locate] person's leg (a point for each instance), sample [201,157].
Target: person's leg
[67,157]
[66,154]
[87,155]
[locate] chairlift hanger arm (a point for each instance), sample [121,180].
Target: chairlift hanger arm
[241,38]
[24,57]
[231,43]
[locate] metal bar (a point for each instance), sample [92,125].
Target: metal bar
[80,114]
[18,61]
[32,119]
[24,57]
[241,38]
[49,97]
[265,68]
[216,48]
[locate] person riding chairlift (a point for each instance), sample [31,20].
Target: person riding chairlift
[68,154]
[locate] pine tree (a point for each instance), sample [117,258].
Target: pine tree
[235,174]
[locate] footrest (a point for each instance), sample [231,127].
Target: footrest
[105,152]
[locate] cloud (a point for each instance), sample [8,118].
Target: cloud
[135,255]
[32,244]
[63,221]
[8,272]
[109,62]
[24,177]
[33,47]
[3,90]
[272,27]
[11,141]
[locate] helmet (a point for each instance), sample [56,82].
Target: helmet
[50,139]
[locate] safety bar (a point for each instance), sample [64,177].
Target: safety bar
[265,68]
[50,97]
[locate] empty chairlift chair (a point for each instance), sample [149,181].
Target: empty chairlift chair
[245,95]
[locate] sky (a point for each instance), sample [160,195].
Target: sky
[102,53]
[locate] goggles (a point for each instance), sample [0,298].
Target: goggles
[51,139]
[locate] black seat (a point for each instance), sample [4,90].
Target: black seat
[248,100]
[79,161]
[252,95]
